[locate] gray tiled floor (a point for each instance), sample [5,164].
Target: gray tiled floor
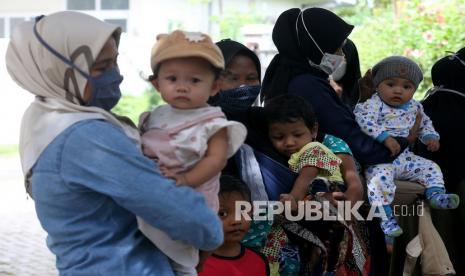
[22,240]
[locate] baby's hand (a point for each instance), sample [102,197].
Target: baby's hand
[432,145]
[179,178]
[288,197]
[392,145]
[154,159]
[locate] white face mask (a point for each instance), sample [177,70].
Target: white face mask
[339,72]
[329,62]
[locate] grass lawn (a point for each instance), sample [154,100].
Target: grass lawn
[8,150]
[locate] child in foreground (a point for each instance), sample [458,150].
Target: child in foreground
[293,131]
[325,167]
[232,258]
[391,112]
[189,139]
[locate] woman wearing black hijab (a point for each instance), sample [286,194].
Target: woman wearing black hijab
[240,86]
[240,80]
[308,42]
[242,65]
[446,108]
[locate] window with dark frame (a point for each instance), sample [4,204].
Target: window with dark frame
[2,27]
[80,4]
[105,9]
[14,21]
[115,4]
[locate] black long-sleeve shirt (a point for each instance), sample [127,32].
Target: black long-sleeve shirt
[337,119]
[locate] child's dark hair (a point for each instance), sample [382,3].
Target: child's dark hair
[216,72]
[288,108]
[230,184]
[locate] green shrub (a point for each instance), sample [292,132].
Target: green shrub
[8,150]
[231,22]
[132,106]
[421,32]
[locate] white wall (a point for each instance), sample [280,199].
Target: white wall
[13,103]
[31,6]
[147,19]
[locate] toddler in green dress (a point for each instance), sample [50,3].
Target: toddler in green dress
[293,131]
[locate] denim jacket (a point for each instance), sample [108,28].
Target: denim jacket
[88,186]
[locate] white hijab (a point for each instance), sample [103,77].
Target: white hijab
[79,38]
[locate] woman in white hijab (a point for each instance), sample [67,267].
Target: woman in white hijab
[82,164]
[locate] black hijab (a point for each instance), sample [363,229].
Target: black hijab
[295,46]
[350,79]
[449,71]
[446,109]
[231,48]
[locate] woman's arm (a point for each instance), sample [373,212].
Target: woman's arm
[351,178]
[98,157]
[426,130]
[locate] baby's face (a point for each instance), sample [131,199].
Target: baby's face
[234,230]
[396,91]
[288,138]
[186,83]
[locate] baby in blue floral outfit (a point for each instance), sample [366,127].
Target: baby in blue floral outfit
[391,112]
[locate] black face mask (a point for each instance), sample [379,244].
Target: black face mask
[236,99]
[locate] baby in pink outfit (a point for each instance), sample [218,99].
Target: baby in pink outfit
[189,139]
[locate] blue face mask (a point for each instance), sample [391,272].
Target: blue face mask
[105,92]
[236,99]
[105,89]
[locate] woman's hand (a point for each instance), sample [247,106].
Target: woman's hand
[332,197]
[337,88]
[352,195]
[290,198]
[392,145]
[352,180]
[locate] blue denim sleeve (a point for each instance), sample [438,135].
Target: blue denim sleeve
[99,157]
